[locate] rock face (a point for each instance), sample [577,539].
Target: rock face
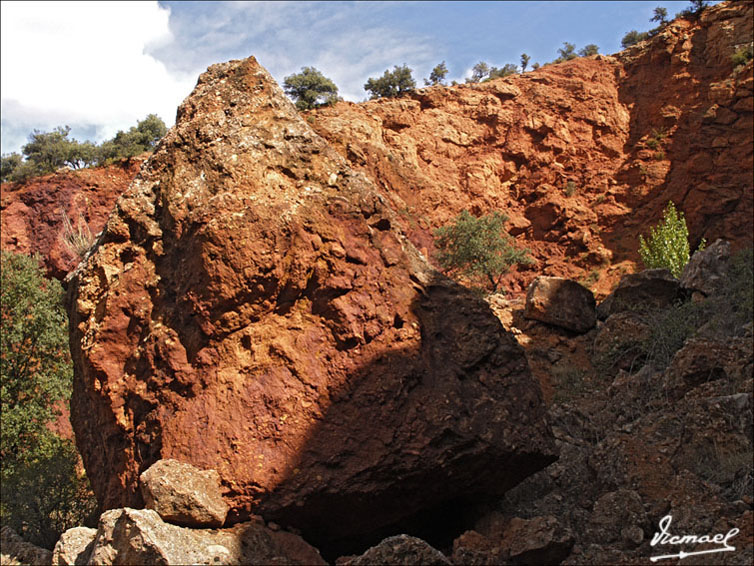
[183,495]
[32,214]
[140,537]
[650,289]
[561,302]
[583,155]
[16,550]
[252,307]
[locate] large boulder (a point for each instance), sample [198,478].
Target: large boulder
[140,537]
[561,302]
[183,494]
[16,550]
[252,308]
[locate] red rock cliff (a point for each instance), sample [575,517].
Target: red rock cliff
[582,155]
[252,307]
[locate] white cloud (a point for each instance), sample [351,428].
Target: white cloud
[84,64]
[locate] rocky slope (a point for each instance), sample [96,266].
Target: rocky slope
[251,307]
[582,156]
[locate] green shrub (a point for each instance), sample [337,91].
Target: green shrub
[478,249]
[42,492]
[668,243]
[743,55]
[633,37]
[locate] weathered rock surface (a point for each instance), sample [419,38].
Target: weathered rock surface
[561,302]
[74,547]
[140,537]
[31,213]
[252,307]
[400,550]
[184,495]
[16,550]
[705,271]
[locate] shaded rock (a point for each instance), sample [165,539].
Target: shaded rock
[706,271]
[616,517]
[539,540]
[246,311]
[618,344]
[183,494]
[140,537]
[400,550]
[74,547]
[475,549]
[561,302]
[647,290]
[703,360]
[16,550]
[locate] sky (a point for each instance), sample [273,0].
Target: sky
[100,67]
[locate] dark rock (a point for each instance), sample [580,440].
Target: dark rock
[400,550]
[706,271]
[647,290]
[561,302]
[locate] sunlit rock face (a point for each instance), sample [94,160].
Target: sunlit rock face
[252,307]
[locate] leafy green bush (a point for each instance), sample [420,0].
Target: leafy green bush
[391,84]
[478,249]
[138,139]
[310,89]
[42,491]
[743,55]
[668,244]
[437,76]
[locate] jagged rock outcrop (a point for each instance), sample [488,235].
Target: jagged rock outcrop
[32,214]
[252,307]
[184,495]
[706,270]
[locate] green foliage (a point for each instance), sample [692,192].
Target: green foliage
[9,165]
[42,493]
[479,72]
[633,37]
[566,53]
[391,84]
[310,89]
[504,71]
[589,50]
[478,249]
[138,139]
[668,244]
[524,62]
[535,66]
[437,76]
[743,55]
[660,15]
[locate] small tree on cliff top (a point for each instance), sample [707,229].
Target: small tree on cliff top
[478,249]
[391,84]
[310,89]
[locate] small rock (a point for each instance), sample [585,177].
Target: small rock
[74,547]
[183,494]
[401,550]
